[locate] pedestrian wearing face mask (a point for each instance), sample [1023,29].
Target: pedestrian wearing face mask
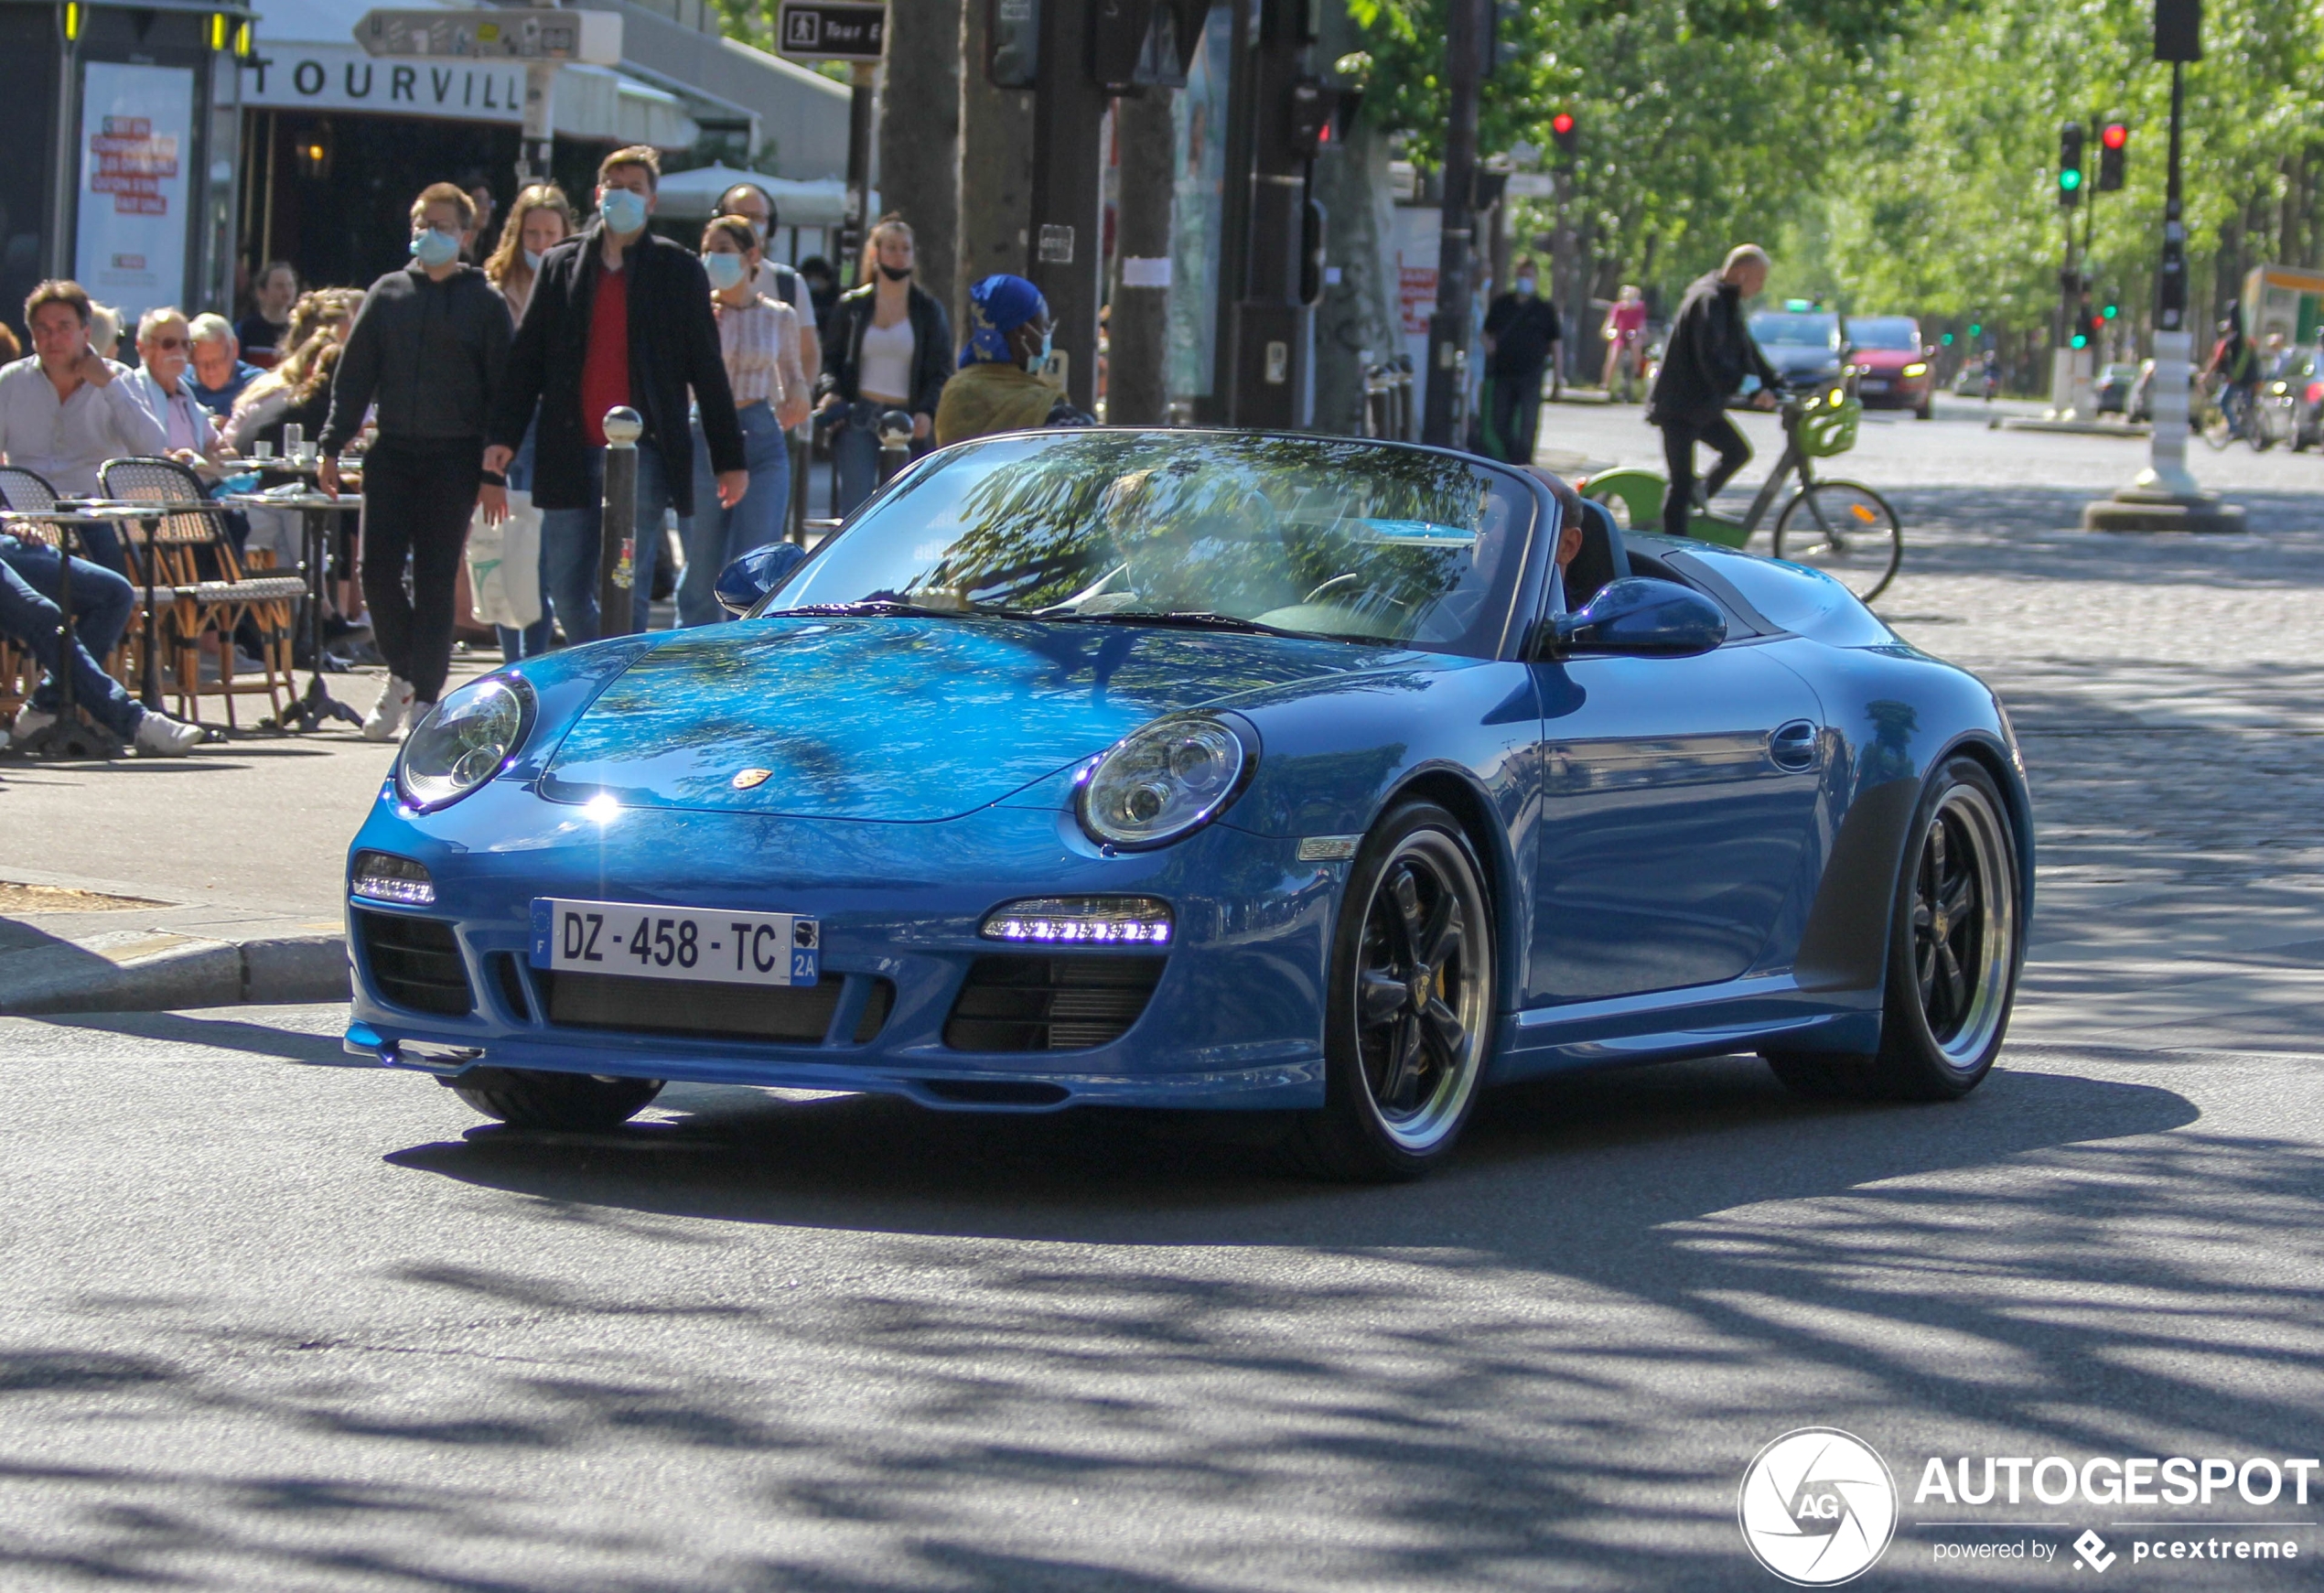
[997,387]
[617,316]
[759,337]
[429,348]
[1522,336]
[891,347]
[541,219]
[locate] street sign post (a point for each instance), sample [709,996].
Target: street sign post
[832,30]
[541,36]
[529,33]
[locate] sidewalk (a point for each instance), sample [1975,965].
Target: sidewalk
[153,883]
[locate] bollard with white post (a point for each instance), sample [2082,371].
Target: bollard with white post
[618,547]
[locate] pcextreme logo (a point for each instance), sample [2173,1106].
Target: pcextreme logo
[1818,1507]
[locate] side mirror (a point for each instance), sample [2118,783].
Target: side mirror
[756,574]
[1637,615]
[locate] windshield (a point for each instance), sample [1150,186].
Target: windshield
[1778,327]
[1312,536]
[1884,332]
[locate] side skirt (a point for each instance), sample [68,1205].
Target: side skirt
[1670,1025]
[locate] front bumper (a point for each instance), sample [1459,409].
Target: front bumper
[1234,1020]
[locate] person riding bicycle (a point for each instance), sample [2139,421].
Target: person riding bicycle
[1709,352]
[2235,364]
[1625,335]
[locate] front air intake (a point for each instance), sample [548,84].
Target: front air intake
[415,963]
[1050,1003]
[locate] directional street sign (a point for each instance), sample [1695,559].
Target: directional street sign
[832,30]
[535,34]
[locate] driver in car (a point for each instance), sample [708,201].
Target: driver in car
[1193,544]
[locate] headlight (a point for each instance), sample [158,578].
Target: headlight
[466,741]
[1164,782]
[1916,369]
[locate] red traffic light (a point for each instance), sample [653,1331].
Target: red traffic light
[1562,124]
[2113,135]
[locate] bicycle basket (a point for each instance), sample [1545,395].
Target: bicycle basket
[1828,426]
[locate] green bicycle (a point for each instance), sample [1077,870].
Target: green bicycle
[1843,528]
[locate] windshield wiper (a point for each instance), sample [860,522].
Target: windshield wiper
[1189,618]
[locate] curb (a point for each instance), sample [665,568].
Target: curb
[2076,428]
[138,971]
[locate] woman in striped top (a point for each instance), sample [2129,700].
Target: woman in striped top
[760,338]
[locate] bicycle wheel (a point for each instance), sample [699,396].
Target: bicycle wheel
[1848,531]
[2217,426]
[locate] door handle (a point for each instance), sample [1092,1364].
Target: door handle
[1792,746]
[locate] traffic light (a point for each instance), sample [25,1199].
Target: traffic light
[2112,308]
[1976,330]
[2112,138]
[1946,340]
[1567,133]
[2070,165]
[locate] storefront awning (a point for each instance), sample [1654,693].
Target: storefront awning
[689,196]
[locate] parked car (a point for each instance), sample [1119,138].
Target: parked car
[2113,387]
[1205,770]
[2288,400]
[1891,364]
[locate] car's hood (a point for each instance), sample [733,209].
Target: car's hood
[1885,360]
[899,717]
[1789,357]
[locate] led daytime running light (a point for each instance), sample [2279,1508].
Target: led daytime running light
[1082,920]
[385,877]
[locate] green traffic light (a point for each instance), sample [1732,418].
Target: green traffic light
[2069,179]
[1947,340]
[2111,312]
[1975,331]
[2081,341]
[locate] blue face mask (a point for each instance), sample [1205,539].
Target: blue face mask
[725,269]
[532,261]
[1034,362]
[432,248]
[1524,288]
[624,211]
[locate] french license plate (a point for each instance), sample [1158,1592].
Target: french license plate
[676,942]
[1872,387]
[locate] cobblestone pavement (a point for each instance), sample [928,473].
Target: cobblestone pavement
[2169,693]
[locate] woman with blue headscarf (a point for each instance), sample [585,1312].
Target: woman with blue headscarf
[997,387]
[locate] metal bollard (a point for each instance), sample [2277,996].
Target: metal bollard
[617,541]
[895,443]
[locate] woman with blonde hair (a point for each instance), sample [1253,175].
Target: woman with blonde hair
[541,219]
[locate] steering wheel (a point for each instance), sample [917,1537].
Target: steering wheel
[1354,578]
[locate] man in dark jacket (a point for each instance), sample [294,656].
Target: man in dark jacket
[429,348]
[1522,336]
[1709,352]
[617,316]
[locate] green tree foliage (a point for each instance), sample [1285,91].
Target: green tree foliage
[1900,154]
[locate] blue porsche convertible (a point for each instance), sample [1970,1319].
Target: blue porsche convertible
[1331,777]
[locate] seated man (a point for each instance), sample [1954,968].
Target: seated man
[30,577]
[220,371]
[161,385]
[66,411]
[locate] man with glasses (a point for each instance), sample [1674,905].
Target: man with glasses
[161,385]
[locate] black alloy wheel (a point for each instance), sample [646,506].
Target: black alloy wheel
[1411,1000]
[575,1102]
[1956,947]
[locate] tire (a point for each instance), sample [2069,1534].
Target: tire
[1404,1047]
[1926,411]
[1952,974]
[1848,531]
[576,1102]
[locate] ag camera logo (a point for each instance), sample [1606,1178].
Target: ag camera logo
[1818,1507]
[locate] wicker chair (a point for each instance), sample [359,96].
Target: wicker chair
[24,492]
[192,554]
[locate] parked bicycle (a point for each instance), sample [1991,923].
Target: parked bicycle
[1843,528]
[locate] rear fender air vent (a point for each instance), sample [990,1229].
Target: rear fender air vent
[1070,1002]
[415,963]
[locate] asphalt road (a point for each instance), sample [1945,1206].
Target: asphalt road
[270,1319]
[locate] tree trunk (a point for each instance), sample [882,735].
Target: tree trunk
[1360,320]
[995,166]
[1137,376]
[919,144]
